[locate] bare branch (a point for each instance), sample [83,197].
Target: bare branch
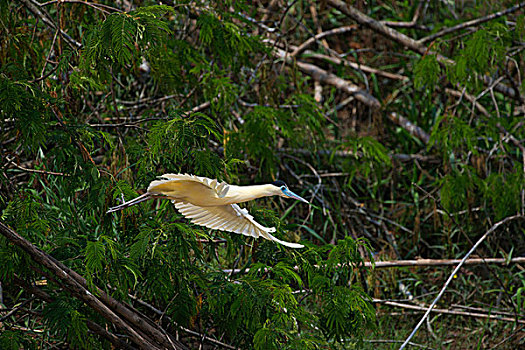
[425,263]
[356,66]
[414,20]
[406,124]
[325,77]
[74,287]
[44,16]
[310,41]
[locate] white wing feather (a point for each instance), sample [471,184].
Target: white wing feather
[221,188]
[230,218]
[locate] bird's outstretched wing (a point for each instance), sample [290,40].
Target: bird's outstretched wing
[221,188]
[229,218]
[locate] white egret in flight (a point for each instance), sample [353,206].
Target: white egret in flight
[208,203]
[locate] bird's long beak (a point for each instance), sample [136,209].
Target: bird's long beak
[294,196]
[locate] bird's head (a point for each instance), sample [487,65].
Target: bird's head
[283,191]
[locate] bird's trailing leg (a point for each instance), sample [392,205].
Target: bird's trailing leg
[134,201]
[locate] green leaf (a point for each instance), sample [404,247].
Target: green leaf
[95,256]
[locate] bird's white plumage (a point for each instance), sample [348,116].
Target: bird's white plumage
[230,218]
[221,188]
[212,204]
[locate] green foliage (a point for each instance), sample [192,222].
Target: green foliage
[369,156]
[11,340]
[502,192]
[427,72]
[483,51]
[85,128]
[95,252]
[345,310]
[520,27]
[63,316]
[345,313]
[181,145]
[452,136]
[120,40]
[456,190]
[226,41]
[26,106]
[258,126]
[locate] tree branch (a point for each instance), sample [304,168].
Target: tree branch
[412,129]
[407,41]
[72,282]
[310,41]
[325,77]
[44,16]
[423,263]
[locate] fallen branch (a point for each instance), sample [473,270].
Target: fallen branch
[377,26]
[94,327]
[126,312]
[470,98]
[33,6]
[77,286]
[325,77]
[356,66]
[413,22]
[422,263]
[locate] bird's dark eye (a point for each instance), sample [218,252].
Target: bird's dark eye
[283,188]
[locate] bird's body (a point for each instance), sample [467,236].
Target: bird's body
[208,203]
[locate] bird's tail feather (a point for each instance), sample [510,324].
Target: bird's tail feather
[127,204]
[288,244]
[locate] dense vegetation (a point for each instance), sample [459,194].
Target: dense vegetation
[404,129]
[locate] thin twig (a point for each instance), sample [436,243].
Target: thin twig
[407,41]
[414,20]
[33,6]
[389,341]
[310,41]
[189,331]
[492,229]
[448,312]
[100,7]
[471,23]
[356,66]
[45,172]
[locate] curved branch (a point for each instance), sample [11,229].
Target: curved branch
[451,277]
[471,23]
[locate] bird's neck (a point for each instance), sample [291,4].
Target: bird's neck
[239,194]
